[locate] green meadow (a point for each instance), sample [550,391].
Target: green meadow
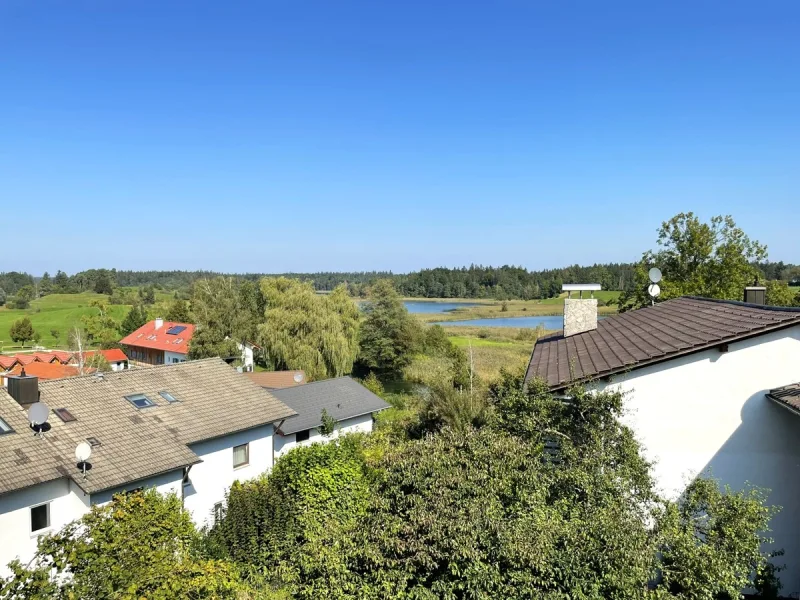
[56,311]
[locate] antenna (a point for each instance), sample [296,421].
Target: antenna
[37,415]
[298,378]
[654,289]
[82,452]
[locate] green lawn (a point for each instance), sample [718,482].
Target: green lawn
[57,311]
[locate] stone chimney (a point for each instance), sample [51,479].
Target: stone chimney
[580,314]
[159,323]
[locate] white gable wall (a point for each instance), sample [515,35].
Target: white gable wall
[67,503]
[173,357]
[362,424]
[708,411]
[211,478]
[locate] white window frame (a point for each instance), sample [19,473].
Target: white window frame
[246,454]
[46,528]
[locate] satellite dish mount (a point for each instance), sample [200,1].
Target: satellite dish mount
[653,289]
[38,414]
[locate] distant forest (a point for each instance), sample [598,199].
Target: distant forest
[475,281]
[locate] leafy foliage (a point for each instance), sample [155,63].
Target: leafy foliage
[780,294]
[22,330]
[388,334]
[179,312]
[139,546]
[23,297]
[136,317]
[304,330]
[327,424]
[712,259]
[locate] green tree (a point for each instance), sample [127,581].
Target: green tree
[178,312]
[22,330]
[61,282]
[141,545]
[389,335]
[23,297]
[101,327]
[711,259]
[55,334]
[45,284]
[147,294]
[102,285]
[779,293]
[327,424]
[2,296]
[308,331]
[136,317]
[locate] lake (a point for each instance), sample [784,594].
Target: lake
[435,307]
[551,322]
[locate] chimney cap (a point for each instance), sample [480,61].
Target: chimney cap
[581,287]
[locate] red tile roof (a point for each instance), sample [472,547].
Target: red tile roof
[26,359]
[7,362]
[44,357]
[62,356]
[147,336]
[113,355]
[44,370]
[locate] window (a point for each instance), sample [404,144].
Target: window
[40,517]
[64,415]
[140,400]
[5,427]
[167,396]
[218,512]
[93,442]
[175,360]
[302,436]
[241,455]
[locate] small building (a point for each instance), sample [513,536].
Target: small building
[116,358]
[191,429]
[277,380]
[702,381]
[348,402]
[43,371]
[159,343]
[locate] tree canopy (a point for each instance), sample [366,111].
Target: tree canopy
[714,260]
[22,330]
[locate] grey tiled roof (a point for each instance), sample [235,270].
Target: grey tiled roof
[788,395]
[342,398]
[652,334]
[213,400]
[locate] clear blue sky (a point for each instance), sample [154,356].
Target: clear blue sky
[339,135]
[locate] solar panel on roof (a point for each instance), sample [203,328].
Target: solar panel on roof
[175,329]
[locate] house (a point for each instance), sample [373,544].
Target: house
[116,358]
[351,404]
[191,429]
[275,380]
[43,371]
[159,343]
[702,381]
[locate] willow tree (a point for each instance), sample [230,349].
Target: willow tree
[305,330]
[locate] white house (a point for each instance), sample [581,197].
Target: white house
[696,374]
[348,402]
[191,428]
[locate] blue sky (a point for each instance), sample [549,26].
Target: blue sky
[305,136]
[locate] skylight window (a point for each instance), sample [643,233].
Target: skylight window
[140,400]
[175,329]
[93,442]
[167,396]
[64,415]
[5,427]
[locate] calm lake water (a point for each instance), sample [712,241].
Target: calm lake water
[552,322]
[435,307]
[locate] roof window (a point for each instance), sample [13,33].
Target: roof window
[5,427]
[64,415]
[93,442]
[140,400]
[175,329]
[167,396]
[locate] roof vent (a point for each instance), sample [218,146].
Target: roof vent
[755,294]
[580,314]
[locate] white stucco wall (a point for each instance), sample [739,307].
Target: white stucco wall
[166,483]
[67,502]
[708,412]
[213,477]
[169,357]
[362,424]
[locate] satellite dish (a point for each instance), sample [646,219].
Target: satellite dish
[655,275]
[654,290]
[38,413]
[83,452]
[298,378]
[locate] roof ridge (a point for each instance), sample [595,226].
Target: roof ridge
[792,309]
[127,372]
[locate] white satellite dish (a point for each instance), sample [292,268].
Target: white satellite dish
[654,290]
[298,378]
[83,452]
[38,413]
[655,275]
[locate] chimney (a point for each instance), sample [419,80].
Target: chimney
[755,294]
[23,388]
[159,322]
[580,314]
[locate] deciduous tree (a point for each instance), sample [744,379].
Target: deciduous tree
[23,297]
[136,317]
[711,259]
[22,330]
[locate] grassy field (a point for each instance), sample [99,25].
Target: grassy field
[492,309]
[57,311]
